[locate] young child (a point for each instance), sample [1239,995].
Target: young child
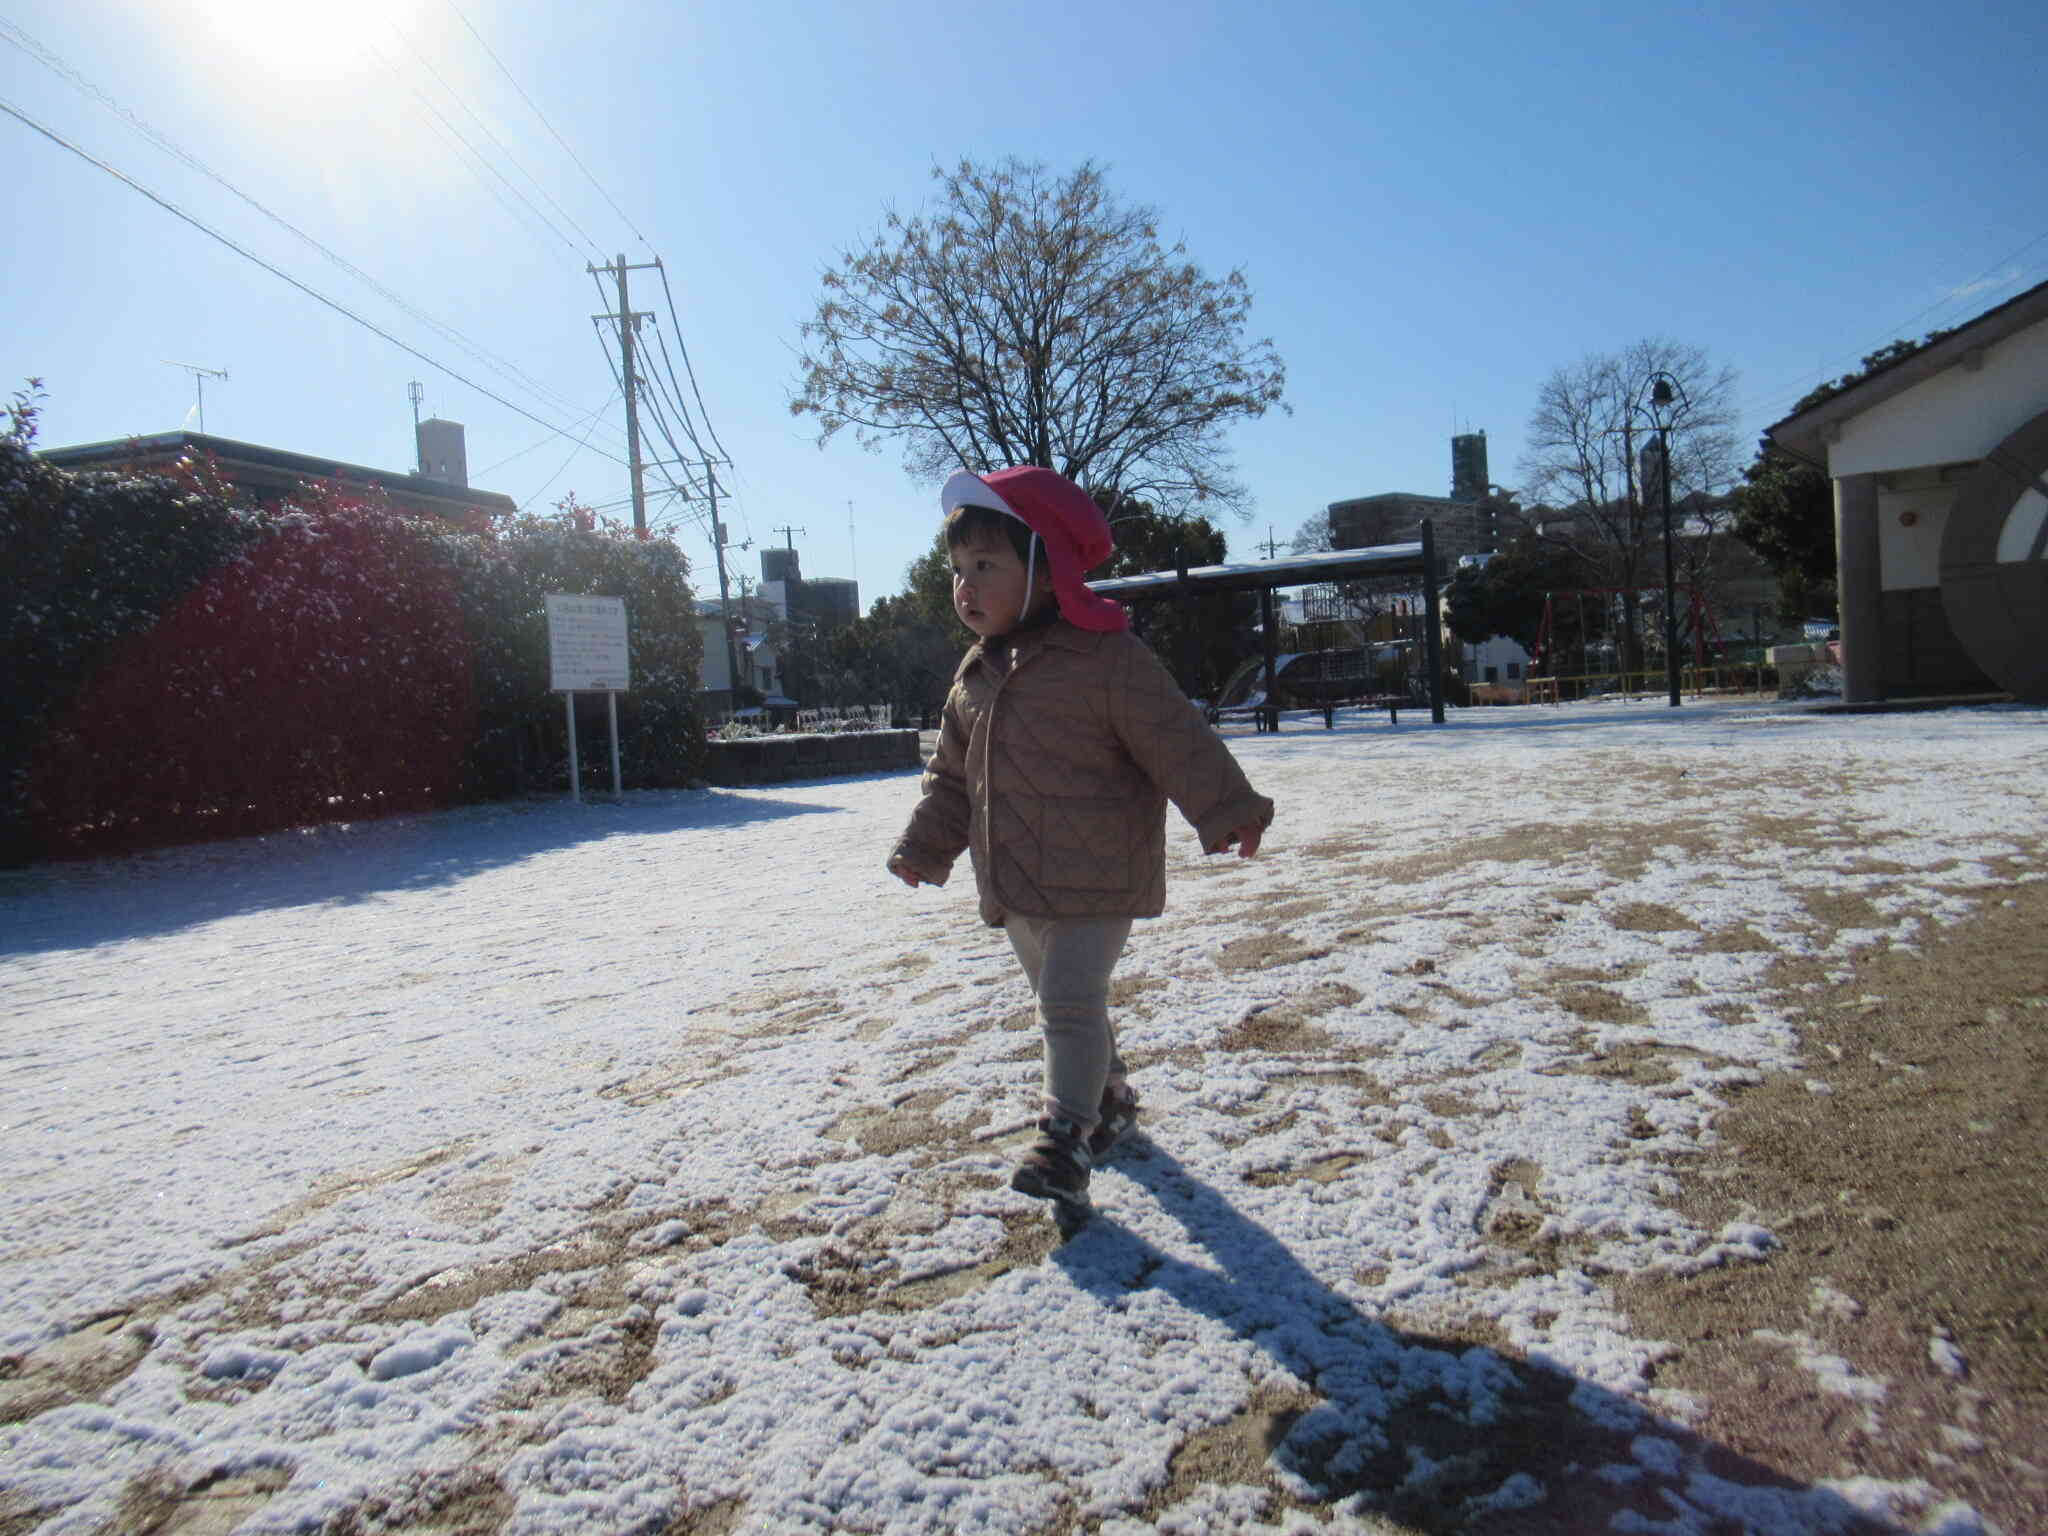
[1062,740]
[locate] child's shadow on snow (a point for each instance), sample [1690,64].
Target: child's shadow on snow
[1438,1434]
[78,903]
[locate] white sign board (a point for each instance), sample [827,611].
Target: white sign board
[587,644]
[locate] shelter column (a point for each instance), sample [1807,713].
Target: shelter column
[1859,584]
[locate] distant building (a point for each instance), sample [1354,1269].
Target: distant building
[1464,522]
[825,601]
[1469,475]
[1396,517]
[443,453]
[269,475]
[755,655]
[831,601]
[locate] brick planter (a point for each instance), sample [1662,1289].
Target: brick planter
[780,759]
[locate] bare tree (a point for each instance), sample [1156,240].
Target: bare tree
[1033,320]
[1581,473]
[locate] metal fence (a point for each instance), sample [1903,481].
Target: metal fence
[823,720]
[1740,681]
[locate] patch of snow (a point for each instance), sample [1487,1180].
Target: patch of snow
[643,1137]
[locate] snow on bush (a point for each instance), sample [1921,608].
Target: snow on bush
[190,667]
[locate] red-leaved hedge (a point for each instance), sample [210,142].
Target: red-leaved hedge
[189,668]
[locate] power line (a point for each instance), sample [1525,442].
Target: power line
[544,121]
[551,479]
[457,97]
[312,293]
[701,411]
[543,442]
[51,60]
[476,154]
[675,403]
[1789,394]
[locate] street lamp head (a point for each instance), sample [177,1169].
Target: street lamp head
[1667,398]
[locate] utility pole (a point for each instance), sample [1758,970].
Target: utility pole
[789,536]
[732,655]
[416,392]
[199,377]
[629,382]
[1271,548]
[853,564]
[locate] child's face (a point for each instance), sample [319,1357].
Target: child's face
[988,586]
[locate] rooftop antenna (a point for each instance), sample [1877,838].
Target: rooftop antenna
[853,564]
[199,377]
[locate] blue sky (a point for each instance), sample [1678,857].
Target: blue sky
[1435,207]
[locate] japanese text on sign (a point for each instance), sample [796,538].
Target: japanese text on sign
[587,644]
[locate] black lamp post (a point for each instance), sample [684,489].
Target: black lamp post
[1666,404]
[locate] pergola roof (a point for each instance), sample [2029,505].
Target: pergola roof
[1256,575]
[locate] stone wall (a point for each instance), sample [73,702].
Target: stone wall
[780,759]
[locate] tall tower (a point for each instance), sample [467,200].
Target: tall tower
[443,455]
[1469,477]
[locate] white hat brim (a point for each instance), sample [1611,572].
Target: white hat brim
[964,488]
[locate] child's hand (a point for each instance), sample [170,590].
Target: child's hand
[1246,839]
[905,873]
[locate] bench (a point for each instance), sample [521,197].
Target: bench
[1266,717]
[1390,702]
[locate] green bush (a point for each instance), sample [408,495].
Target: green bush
[187,667]
[522,733]
[91,562]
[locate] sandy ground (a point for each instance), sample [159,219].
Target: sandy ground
[1908,1198]
[1897,1330]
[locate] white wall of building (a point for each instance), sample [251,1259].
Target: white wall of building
[1910,520]
[1955,417]
[713,675]
[1500,661]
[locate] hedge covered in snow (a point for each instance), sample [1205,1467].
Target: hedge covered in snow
[186,667]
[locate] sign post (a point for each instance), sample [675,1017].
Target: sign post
[587,653]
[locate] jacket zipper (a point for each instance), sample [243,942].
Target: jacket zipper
[988,841]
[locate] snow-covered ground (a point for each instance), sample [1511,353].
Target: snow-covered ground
[641,1167]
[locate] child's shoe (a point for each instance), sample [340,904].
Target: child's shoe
[1119,1119]
[1056,1166]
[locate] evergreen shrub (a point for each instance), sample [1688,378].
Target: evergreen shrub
[187,667]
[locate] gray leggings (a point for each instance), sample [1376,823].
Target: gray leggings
[1068,961]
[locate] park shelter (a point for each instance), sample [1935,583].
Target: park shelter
[1387,561]
[1940,471]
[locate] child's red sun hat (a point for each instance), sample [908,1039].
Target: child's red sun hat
[1067,521]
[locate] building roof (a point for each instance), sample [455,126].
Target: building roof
[1806,434]
[274,468]
[1400,497]
[1251,575]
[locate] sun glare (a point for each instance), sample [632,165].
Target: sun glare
[305,41]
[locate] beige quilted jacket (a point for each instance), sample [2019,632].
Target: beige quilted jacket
[1053,770]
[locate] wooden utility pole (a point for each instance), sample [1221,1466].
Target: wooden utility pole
[732,657]
[629,381]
